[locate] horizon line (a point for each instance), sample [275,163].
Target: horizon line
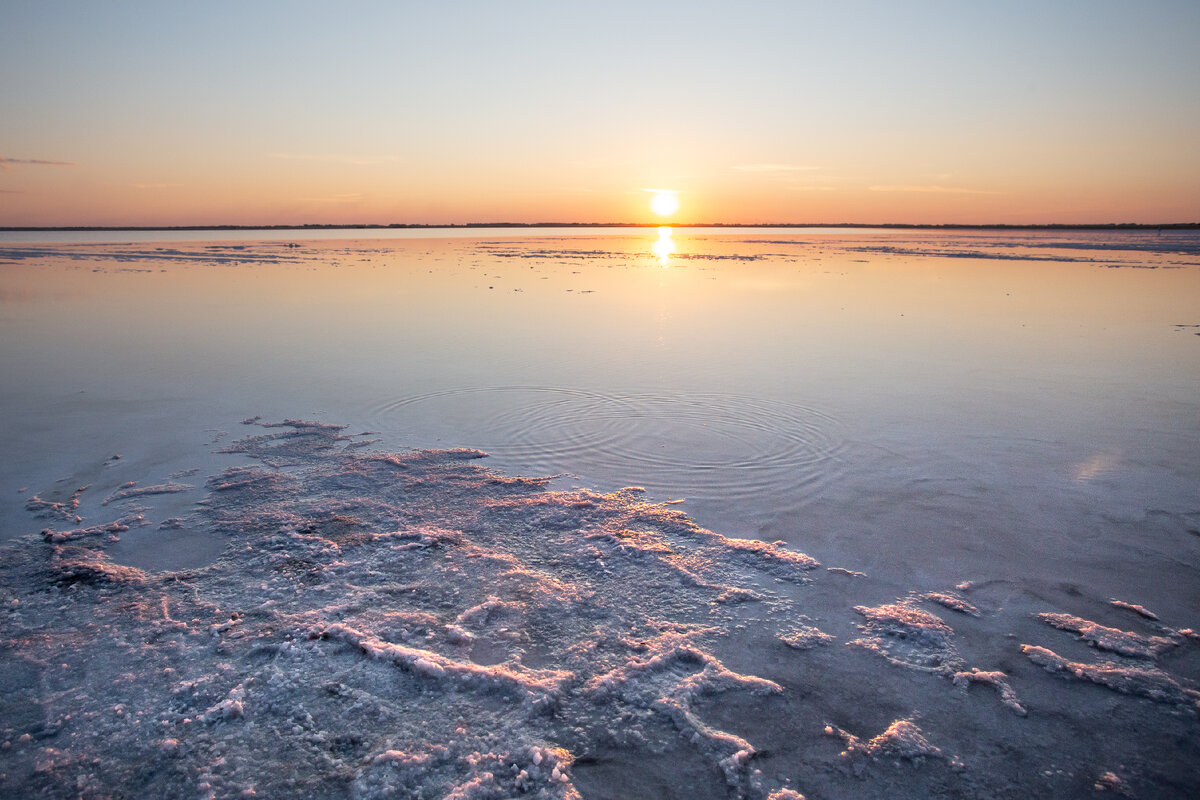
[460,225]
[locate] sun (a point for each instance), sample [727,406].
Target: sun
[665,202]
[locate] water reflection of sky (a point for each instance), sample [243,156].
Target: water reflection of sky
[786,385]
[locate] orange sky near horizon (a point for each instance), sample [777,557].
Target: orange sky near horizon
[136,114]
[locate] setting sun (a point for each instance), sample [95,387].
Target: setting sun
[665,202]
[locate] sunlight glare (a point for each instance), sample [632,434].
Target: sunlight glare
[664,247]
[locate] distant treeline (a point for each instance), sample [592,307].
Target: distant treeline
[1109,226]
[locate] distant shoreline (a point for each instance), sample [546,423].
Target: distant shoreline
[1111,226]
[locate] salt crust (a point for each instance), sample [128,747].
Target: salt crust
[1129,673]
[785,794]
[952,601]
[1125,643]
[410,624]
[1109,781]
[804,637]
[379,624]
[131,490]
[911,637]
[1141,680]
[1141,611]
[908,636]
[902,740]
[57,509]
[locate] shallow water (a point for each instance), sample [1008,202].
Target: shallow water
[1015,413]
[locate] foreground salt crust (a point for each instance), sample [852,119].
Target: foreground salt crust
[414,625]
[380,623]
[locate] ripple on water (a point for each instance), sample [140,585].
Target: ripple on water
[694,443]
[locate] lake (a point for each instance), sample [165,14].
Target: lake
[915,511]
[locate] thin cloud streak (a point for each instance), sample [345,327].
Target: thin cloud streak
[157,185]
[773,168]
[929,189]
[335,158]
[5,161]
[347,197]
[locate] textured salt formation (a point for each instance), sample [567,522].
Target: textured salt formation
[995,679]
[378,624]
[1141,680]
[902,740]
[411,624]
[57,509]
[911,637]
[952,601]
[131,490]
[804,637]
[1125,643]
[785,794]
[1129,673]
[1109,781]
[1141,611]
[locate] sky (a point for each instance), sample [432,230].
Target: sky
[173,113]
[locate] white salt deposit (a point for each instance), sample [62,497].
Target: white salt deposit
[131,490]
[1141,680]
[911,637]
[952,601]
[903,739]
[995,679]
[1125,643]
[1141,611]
[804,637]
[411,624]
[908,636]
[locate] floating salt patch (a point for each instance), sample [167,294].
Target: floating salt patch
[1109,781]
[128,492]
[1125,643]
[1142,681]
[914,638]
[952,601]
[997,680]
[55,509]
[785,794]
[95,531]
[909,636]
[804,637]
[1141,611]
[903,739]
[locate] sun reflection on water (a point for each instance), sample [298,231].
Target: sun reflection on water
[665,246]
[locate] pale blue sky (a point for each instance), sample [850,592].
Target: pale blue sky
[173,112]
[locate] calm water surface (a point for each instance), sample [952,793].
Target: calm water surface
[908,403]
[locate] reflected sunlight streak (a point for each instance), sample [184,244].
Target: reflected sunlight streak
[664,247]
